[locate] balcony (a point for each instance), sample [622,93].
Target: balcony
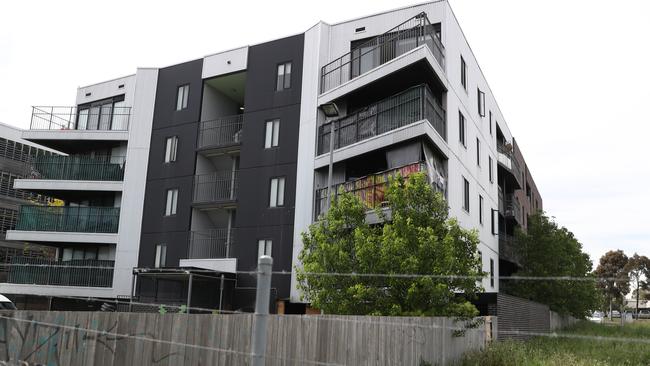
[103,118]
[506,158]
[508,249]
[381,49]
[68,219]
[218,188]
[220,133]
[410,106]
[79,273]
[77,167]
[209,244]
[370,189]
[509,206]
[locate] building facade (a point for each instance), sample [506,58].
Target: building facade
[227,157]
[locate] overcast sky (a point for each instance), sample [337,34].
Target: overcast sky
[571,77]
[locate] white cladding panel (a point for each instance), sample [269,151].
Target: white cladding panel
[225,62]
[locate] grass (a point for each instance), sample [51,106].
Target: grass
[556,351]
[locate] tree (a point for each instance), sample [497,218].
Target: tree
[613,280]
[418,238]
[638,268]
[547,250]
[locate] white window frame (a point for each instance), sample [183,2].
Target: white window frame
[171,202]
[463,73]
[478,151]
[490,169]
[481,102]
[283,81]
[276,193]
[462,129]
[160,259]
[171,149]
[264,247]
[480,209]
[272,134]
[466,195]
[182,94]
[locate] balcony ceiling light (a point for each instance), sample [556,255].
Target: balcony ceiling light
[330,110]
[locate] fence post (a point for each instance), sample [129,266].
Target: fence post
[260,320]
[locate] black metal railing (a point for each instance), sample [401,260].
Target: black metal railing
[215,187]
[69,219]
[105,117]
[77,167]
[370,189]
[78,272]
[508,248]
[509,205]
[410,106]
[507,158]
[213,243]
[223,131]
[377,51]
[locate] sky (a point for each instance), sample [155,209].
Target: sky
[571,77]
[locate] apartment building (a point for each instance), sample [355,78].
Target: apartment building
[227,157]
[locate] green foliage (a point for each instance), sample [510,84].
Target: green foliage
[615,279]
[547,250]
[563,351]
[638,267]
[162,309]
[417,238]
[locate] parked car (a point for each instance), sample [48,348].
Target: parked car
[616,314]
[644,314]
[6,304]
[596,317]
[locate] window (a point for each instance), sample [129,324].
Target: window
[491,272]
[161,255]
[272,133]
[480,209]
[277,192]
[172,201]
[478,152]
[465,194]
[264,247]
[461,129]
[463,73]
[284,76]
[171,146]
[490,169]
[181,97]
[490,122]
[481,103]
[493,222]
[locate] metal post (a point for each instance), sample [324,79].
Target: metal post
[262,298]
[223,280]
[331,165]
[135,275]
[189,294]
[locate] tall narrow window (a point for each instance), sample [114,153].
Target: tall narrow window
[465,194]
[478,152]
[181,97]
[491,175]
[171,145]
[463,73]
[480,209]
[161,255]
[172,202]
[493,222]
[284,76]
[461,129]
[264,247]
[490,122]
[481,103]
[272,136]
[491,272]
[276,198]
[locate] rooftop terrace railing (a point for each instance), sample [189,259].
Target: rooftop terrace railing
[105,118]
[223,131]
[49,272]
[377,51]
[410,106]
[68,219]
[77,167]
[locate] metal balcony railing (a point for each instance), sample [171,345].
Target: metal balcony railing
[410,106]
[509,206]
[508,249]
[215,187]
[80,272]
[214,243]
[69,219]
[77,167]
[370,189]
[223,131]
[507,158]
[377,51]
[106,117]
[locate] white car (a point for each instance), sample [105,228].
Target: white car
[596,317]
[6,304]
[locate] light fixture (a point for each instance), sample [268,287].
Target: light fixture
[241,108]
[330,109]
